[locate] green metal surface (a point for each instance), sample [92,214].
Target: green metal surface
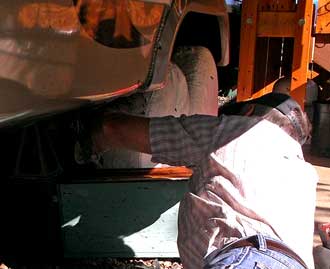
[129,219]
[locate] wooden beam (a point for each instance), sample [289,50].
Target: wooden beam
[276,24]
[247,49]
[276,5]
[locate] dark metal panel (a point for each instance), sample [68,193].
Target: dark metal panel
[30,226]
[131,219]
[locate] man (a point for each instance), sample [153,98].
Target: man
[251,198]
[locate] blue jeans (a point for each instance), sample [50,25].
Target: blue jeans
[259,257]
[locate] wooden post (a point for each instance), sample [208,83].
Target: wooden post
[301,50]
[247,49]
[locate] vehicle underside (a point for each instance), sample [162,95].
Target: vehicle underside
[38,152]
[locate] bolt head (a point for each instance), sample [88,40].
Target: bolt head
[301,22]
[249,21]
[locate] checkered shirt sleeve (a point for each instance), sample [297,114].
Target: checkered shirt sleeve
[188,140]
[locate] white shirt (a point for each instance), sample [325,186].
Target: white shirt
[249,176]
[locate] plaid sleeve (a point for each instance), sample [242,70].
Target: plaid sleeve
[190,139]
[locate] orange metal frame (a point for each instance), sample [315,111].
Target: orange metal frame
[275,19]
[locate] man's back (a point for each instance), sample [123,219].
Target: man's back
[256,183]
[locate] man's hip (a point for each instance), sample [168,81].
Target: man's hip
[256,252]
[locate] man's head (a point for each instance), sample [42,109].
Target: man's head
[295,123]
[277,108]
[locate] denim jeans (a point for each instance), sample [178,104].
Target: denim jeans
[259,257]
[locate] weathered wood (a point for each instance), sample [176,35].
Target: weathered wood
[276,5]
[276,24]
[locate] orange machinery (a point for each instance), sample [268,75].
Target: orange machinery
[275,42]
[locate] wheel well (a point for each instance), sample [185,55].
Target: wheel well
[199,29]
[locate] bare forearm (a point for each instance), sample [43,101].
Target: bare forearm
[123,131]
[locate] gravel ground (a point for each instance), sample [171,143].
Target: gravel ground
[122,264]
[103,263]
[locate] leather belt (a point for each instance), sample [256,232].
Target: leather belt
[271,244]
